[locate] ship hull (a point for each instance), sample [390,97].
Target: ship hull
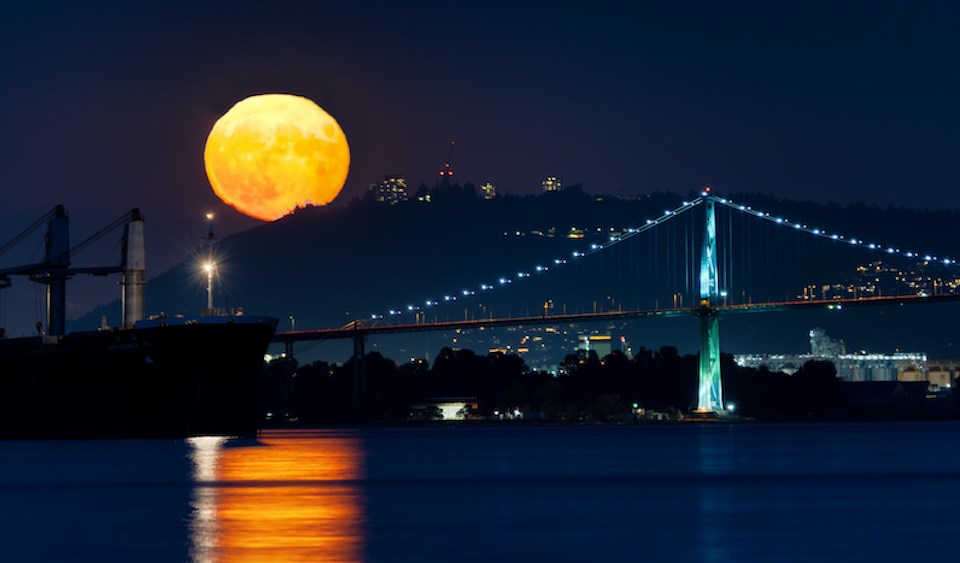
[164,378]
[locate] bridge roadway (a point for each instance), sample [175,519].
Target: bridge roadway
[359,330]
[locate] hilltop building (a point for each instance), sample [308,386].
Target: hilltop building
[391,190]
[488,191]
[552,184]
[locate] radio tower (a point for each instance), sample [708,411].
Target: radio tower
[446,171]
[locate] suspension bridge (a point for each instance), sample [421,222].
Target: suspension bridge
[714,259]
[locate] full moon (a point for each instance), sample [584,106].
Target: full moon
[273,153]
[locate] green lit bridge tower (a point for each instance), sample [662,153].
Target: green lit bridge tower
[710,393]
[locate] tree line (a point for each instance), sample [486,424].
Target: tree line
[587,388]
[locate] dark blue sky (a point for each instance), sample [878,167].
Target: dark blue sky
[106,106]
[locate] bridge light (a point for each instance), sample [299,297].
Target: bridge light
[927,258]
[834,237]
[649,222]
[871,246]
[503,281]
[816,231]
[890,251]
[779,220]
[743,208]
[947,261]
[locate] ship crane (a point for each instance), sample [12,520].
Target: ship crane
[55,270]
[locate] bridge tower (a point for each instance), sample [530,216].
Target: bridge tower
[710,394]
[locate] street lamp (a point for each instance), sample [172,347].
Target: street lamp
[210,267]
[293,323]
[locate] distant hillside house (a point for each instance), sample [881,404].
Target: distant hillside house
[391,190]
[552,184]
[488,191]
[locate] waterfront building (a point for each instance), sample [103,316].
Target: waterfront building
[444,408]
[857,367]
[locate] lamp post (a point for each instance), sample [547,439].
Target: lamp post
[210,267]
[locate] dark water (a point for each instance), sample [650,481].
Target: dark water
[737,493]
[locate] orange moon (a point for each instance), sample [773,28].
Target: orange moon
[273,153]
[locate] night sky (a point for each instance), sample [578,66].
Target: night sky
[106,106]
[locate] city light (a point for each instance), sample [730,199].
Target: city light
[820,232]
[669,214]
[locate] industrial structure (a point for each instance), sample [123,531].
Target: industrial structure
[857,367]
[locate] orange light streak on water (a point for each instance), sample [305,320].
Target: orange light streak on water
[291,496]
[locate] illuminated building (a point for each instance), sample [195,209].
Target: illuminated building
[942,373]
[488,191]
[391,190]
[858,367]
[599,343]
[552,184]
[444,408]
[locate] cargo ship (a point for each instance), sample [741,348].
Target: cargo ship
[164,376]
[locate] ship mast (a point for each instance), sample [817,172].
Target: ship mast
[134,270]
